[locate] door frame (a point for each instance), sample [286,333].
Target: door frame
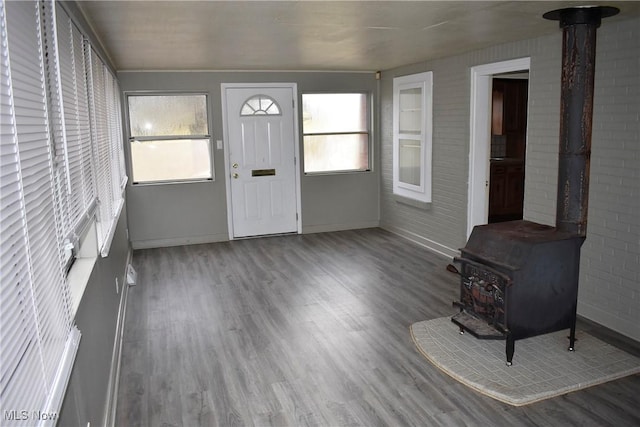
[480,134]
[225,140]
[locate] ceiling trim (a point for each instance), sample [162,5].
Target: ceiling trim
[248,71]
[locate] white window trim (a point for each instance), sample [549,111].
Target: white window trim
[368,132]
[131,139]
[423,81]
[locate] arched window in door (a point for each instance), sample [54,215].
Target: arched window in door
[260,105]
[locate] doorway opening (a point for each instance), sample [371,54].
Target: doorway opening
[481,123]
[509,98]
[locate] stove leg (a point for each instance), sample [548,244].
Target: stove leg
[572,335]
[461,330]
[511,348]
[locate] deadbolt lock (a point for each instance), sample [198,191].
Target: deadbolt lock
[235,166]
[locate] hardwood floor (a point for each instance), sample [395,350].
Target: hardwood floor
[310,330]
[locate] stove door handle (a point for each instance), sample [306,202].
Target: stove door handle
[452,269]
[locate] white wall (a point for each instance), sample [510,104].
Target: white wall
[610,281]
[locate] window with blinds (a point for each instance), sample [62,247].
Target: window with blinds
[73,141]
[106,135]
[61,155]
[37,335]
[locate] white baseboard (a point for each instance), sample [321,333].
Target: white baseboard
[422,241]
[325,228]
[599,316]
[179,241]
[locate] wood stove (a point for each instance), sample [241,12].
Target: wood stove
[519,279]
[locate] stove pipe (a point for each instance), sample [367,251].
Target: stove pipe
[579,26]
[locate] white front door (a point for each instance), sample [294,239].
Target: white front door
[261,142]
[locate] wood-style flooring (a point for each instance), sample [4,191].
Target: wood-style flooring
[311,330]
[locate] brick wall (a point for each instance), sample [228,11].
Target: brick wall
[610,271]
[610,280]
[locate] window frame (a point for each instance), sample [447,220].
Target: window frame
[260,112]
[422,191]
[131,139]
[369,132]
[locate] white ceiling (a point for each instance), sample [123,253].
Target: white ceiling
[311,35]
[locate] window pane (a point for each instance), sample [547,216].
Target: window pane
[170,160]
[334,112]
[324,153]
[412,128]
[260,105]
[168,115]
[411,110]
[409,161]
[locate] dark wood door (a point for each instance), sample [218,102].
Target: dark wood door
[508,127]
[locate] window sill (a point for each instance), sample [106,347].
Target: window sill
[412,202]
[185,181]
[78,278]
[353,172]
[80,273]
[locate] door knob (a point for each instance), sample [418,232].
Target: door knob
[235,176]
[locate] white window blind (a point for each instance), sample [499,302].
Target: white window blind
[116,147]
[55,112]
[37,336]
[77,192]
[106,137]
